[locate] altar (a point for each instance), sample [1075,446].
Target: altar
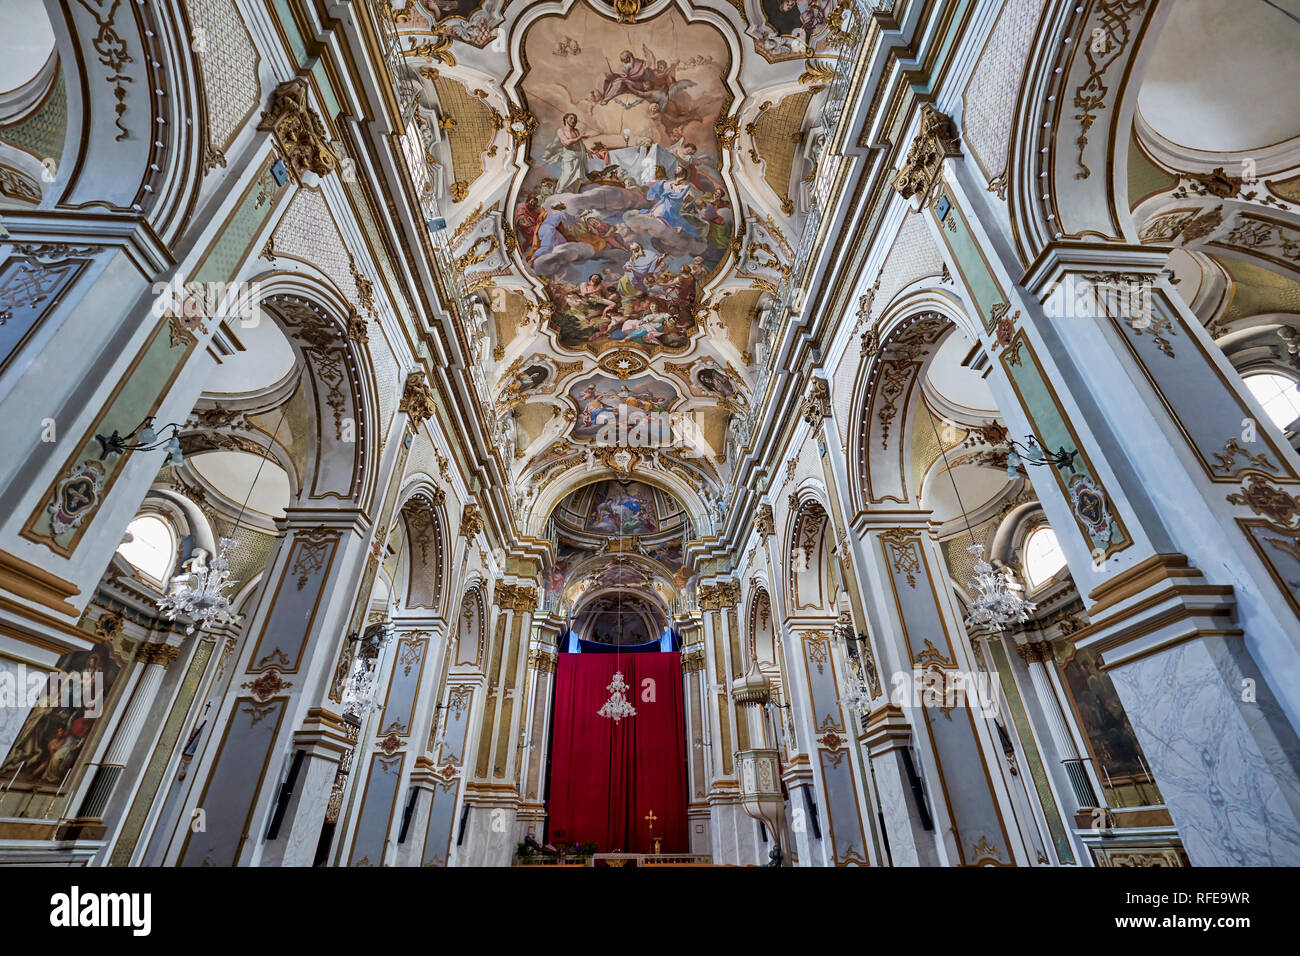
[619,860]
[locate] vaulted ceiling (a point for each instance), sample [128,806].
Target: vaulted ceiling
[623,191]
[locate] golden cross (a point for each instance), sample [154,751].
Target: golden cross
[651,818]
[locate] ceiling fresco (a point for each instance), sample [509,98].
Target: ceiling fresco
[625,215]
[623,196]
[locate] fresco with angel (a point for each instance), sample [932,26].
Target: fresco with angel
[623,213]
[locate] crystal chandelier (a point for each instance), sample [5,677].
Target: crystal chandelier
[359,692]
[199,595]
[996,603]
[857,695]
[617,707]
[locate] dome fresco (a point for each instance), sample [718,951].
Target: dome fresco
[614,536]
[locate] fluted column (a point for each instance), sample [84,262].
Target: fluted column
[155,659]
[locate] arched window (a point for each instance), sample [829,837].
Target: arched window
[152,547]
[1043,557]
[1277,394]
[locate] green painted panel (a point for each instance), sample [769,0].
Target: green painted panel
[969,259]
[1037,772]
[152,780]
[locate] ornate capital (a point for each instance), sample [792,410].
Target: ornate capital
[417,398]
[471,522]
[692,661]
[541,661]
[1035,652]
[817,405]
[764,522]
[163,654]
[936,140]
[525,598]
[716,597]
[298,131]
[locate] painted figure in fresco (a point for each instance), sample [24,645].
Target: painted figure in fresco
[590,406]
[595,232]
[812,15]
[545,189]
[551,232]
[593,292]
[708,209]
[569,149]
[701,170]
[668,196]
[631,76]
[638,270]
[528,216]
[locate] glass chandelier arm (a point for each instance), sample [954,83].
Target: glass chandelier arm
[119,444]
[1031,453]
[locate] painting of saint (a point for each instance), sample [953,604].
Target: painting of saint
[802,20]
[623,213]
[55,732]
[531,377]
[616,509]
[1101,716]
[716,382]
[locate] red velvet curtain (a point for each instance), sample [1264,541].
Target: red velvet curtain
[607,777]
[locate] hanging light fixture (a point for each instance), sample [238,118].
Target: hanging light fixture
[1030,454]
[996,602]
[201,594]
[618,706]
[144,437]
[857,696]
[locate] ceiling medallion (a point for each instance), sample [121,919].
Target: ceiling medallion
[623,363]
